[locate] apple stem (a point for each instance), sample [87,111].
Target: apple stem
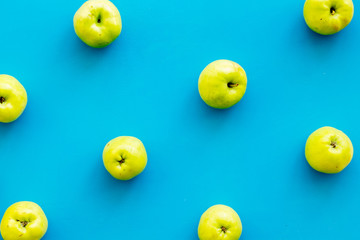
[232,85]
[2,100]
[23,223]
[332,11]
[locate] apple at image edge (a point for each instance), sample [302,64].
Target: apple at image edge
[328,150]
[23,221]
[219,222]
[328,17]
[97,23]
[13,98]
[222,84]
[124,157]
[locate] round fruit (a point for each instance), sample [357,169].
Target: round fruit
[23,221]
[220,222]
[328,16]
[124,157]
[222,84]
[328,150]
[97,23]
[13,98]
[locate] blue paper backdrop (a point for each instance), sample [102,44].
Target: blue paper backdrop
[250,157]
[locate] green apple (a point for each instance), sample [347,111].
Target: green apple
[13,98]
[219,222]
[327,17]
[97,23]
[222,84]
[23,221]
[328,150]
[124,157]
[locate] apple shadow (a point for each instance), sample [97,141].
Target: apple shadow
[11,127]
[312,43]
[110,189]
[318,39]
[77,55]
[194,234]
[198,112]
[322,182]
[87,57]
[5,128]
[49,234]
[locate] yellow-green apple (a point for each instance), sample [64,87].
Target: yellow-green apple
[23,221]
[124,157]
[97,23]
[220,222]
[222,84]
[327,17]
[13,98]
[328,150]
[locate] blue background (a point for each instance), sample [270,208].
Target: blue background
[250,157]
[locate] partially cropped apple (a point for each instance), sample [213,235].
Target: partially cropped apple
[220,222]
[13,98]
[97,23]
[328,150]
[124,157]
[327,17]
[23,221]
[222,84]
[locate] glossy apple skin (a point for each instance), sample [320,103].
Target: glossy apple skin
[328,150]
[220,222]
[222,84]
[327,17]
[23,221]
[13,98]
[97,23]
[124,157]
